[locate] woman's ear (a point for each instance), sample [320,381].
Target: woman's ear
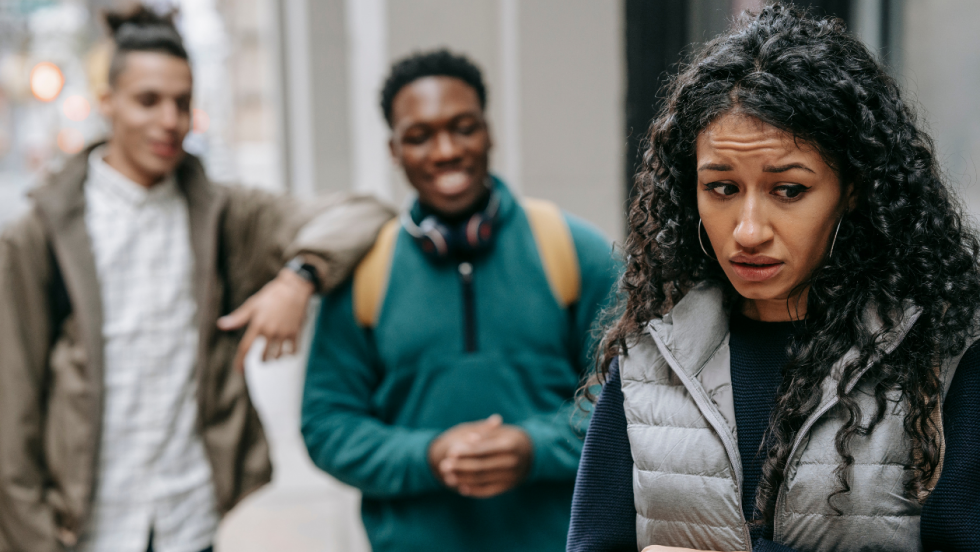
[851,195]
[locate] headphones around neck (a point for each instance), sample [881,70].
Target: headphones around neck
[440,241]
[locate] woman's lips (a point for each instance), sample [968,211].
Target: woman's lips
[757,271]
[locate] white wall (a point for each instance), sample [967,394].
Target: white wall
[555,77]
[941,71]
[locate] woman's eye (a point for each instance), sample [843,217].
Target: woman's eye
[722,189]
[790,191]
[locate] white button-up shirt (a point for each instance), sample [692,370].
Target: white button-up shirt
[153,473]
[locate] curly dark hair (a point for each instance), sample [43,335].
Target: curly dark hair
[906,239]
[140,29]
[437,63]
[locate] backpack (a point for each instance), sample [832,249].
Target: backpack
[551,234]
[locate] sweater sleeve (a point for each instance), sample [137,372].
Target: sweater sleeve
[343,434]
[951,516]
[557,436]
[603,514]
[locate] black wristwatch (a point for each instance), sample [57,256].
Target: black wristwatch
[305,271]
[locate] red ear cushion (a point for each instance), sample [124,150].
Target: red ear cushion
[473,231]
[486,231]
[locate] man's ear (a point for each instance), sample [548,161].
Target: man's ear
[105,103]
[393,150]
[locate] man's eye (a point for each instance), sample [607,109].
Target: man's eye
[147,100]
[790,191]
[722,189]
[416,139]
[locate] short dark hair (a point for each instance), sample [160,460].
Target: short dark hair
[142,30]
[436,63]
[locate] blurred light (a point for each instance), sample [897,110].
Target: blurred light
[201,121]
[46,81]
[70,140]
[76,108]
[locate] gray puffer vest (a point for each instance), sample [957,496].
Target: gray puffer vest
[687,473]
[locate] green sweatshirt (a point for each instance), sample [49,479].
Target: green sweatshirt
[374,399]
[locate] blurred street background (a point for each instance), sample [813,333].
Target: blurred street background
[286,98]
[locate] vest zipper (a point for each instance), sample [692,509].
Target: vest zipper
[469,307]
[710,412]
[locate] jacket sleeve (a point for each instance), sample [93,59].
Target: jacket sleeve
[557,437]
[343,431]
[334,231]
[26,520]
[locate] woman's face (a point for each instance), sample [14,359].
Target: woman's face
[770,206]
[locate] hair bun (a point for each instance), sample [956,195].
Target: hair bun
[121,22]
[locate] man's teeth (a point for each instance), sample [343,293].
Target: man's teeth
[453,180]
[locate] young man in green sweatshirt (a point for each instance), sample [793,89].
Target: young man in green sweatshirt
[441,380]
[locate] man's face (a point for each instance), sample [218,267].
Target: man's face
[441,140]
[149,107]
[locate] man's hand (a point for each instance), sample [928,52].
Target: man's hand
[276,313]
[482,459]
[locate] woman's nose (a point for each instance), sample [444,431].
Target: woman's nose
[753,228]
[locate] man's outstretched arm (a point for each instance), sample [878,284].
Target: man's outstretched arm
[329,235]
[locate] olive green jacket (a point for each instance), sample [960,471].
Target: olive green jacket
[51,343]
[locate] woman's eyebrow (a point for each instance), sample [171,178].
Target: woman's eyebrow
[784,168]
[714,167]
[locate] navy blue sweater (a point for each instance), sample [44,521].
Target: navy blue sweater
[603,515]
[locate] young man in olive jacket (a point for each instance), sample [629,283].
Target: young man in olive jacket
[124,423]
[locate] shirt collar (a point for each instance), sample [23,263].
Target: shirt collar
[109,180]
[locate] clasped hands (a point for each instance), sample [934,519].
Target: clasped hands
[481,459]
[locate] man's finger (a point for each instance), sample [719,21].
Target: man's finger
[491,446]
[495,462]
[486,478]
[492,422]
[243,348]
[289,346]
[273,346]
[485,491]
[237,318]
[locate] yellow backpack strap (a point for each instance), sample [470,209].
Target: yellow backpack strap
[371,276]
[556,248]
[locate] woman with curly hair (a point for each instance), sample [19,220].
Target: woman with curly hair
[794,365]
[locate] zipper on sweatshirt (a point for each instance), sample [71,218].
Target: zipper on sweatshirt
[469,307]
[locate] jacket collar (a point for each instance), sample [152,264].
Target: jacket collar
[695,327]
[698,324]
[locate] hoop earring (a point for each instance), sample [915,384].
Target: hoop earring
[833,243]
[701,243]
